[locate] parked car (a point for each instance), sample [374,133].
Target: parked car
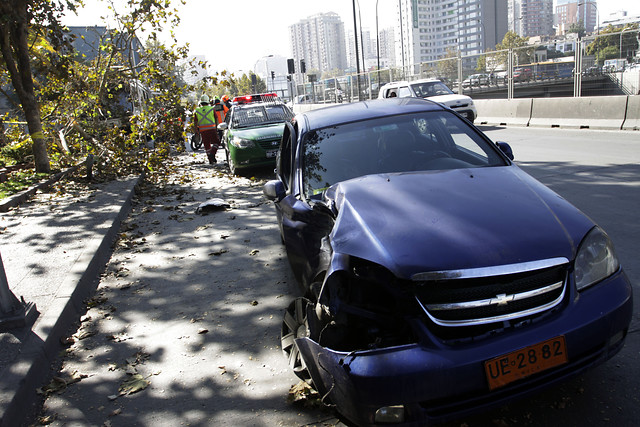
[439,278]
[476,80]
[252,132]
[500,77]
[522,74]
[434,90]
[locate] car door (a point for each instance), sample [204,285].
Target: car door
[304,223]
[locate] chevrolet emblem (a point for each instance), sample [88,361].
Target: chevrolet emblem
[502,299]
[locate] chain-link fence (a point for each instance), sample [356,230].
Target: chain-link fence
[599,65]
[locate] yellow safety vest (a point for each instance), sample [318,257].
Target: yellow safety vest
[206,118]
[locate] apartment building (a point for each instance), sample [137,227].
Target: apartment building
[319,40]
[530,18]
[428,29]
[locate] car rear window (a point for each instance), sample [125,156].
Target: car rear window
[397,144]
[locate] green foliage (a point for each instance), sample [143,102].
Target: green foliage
[111,106]
[18,181]
[448,67]
[607,46]
[17,152]
[578,28]
[524,53]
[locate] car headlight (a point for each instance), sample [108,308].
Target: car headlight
[241,142]
[596,259]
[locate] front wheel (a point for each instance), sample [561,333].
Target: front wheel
[295,325]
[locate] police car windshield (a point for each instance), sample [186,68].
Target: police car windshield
[258,115]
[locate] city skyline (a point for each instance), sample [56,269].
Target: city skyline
[243,45]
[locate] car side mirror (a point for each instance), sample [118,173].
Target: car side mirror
[274,190]
[223,126]
[506,149]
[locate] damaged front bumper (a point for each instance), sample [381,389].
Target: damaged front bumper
[431,381]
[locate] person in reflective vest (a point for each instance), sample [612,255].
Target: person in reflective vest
[205,122]
[226,101]
[220,111]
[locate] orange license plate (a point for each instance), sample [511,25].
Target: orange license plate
[518,364]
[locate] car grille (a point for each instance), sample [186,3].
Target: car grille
[466,300]
[271,144]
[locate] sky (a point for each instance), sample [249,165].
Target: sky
[234,34]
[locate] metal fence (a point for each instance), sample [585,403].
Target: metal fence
[532,71]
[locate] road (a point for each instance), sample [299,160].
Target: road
[192,303]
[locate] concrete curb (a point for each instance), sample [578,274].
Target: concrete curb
[41,346]
[16,199]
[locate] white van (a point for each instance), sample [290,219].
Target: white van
[433,90]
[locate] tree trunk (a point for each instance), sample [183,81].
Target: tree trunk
[15,51]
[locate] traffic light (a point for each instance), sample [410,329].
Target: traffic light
[303,66]
[289,77]
[291,66]
[273,75]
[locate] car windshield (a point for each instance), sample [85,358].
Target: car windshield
[258,115]
[413,142]
[424,90]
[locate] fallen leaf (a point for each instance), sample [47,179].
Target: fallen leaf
[48,419]
[254,303]
[203,331]
[303,394]
[218,253]
[132,385]
[253,252]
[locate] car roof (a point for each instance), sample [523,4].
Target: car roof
[345,113]
[405,82]
[258,104]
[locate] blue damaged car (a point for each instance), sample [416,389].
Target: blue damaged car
[439,279]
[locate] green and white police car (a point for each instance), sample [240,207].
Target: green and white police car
[252,131]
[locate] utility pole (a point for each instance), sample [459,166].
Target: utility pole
[355,35]
[13,312]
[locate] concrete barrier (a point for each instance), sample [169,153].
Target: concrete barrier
[302,108]
[632,119]
[597,112]
[503,111]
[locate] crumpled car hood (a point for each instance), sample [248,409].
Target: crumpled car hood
[454,219]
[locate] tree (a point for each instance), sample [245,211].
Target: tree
[448,66]
[578,28]
[607,44]
[16,16]
[524,52]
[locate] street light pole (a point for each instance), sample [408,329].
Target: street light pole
[622,32]
[587,3]
[355,36]
[377,37]
[401,36]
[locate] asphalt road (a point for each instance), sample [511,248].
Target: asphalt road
[192,303]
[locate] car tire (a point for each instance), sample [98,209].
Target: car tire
[295,325]
[232,168]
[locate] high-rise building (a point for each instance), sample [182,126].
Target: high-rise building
[428,29]
[529,18]
[570,12]
[319,40]
[387,48]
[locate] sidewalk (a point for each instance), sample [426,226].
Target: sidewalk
[53,249]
